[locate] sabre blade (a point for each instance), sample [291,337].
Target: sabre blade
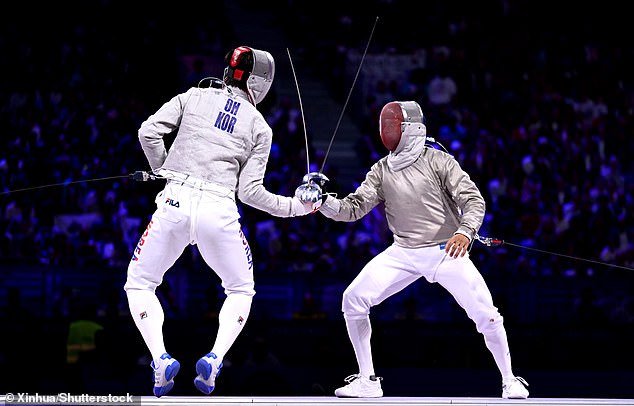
[323,164]
[301,108]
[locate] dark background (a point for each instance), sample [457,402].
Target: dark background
[542,121]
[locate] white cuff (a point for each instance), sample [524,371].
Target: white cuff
[466,234]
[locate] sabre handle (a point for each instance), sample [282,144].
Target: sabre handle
[143,176]
[489,242]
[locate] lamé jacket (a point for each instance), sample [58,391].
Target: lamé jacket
[425,203]
[221,138]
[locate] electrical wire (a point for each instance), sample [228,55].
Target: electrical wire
[495,242]
[66,183]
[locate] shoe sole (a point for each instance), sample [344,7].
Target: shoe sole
[204,368]
[359,397]
[379,395]
[202,386]
[170,373]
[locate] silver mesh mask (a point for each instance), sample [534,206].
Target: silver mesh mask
[261,77]
[412,125]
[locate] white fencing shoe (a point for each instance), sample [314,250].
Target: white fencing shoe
[361,387]
[164,374]
[515,388]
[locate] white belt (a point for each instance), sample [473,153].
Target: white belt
[196,183]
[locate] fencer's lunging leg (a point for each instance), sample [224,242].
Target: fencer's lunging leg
[382,277]
[496,341]
[465,283]
[360,333]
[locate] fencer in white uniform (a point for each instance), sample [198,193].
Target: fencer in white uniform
[220,150]
[434,210]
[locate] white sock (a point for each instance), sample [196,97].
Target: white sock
[148,316]
[360,331]
[231,319]
[497,343]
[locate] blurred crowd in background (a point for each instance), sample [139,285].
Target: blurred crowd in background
[535,105]
[538,108]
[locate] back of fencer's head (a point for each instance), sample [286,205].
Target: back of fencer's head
[239,65]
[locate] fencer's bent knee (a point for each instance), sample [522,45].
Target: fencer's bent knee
[354,304]
[246,289]
[489,323]
[136,282]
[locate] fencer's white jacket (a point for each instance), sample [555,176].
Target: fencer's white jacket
[221,138]
[426,202]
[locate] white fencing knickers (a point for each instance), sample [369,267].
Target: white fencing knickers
[396,268]
[201,214]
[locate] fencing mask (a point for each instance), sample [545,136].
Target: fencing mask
[251,69]
[399,122]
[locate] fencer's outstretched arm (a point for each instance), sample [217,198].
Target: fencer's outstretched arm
[251,189]
[358,203]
